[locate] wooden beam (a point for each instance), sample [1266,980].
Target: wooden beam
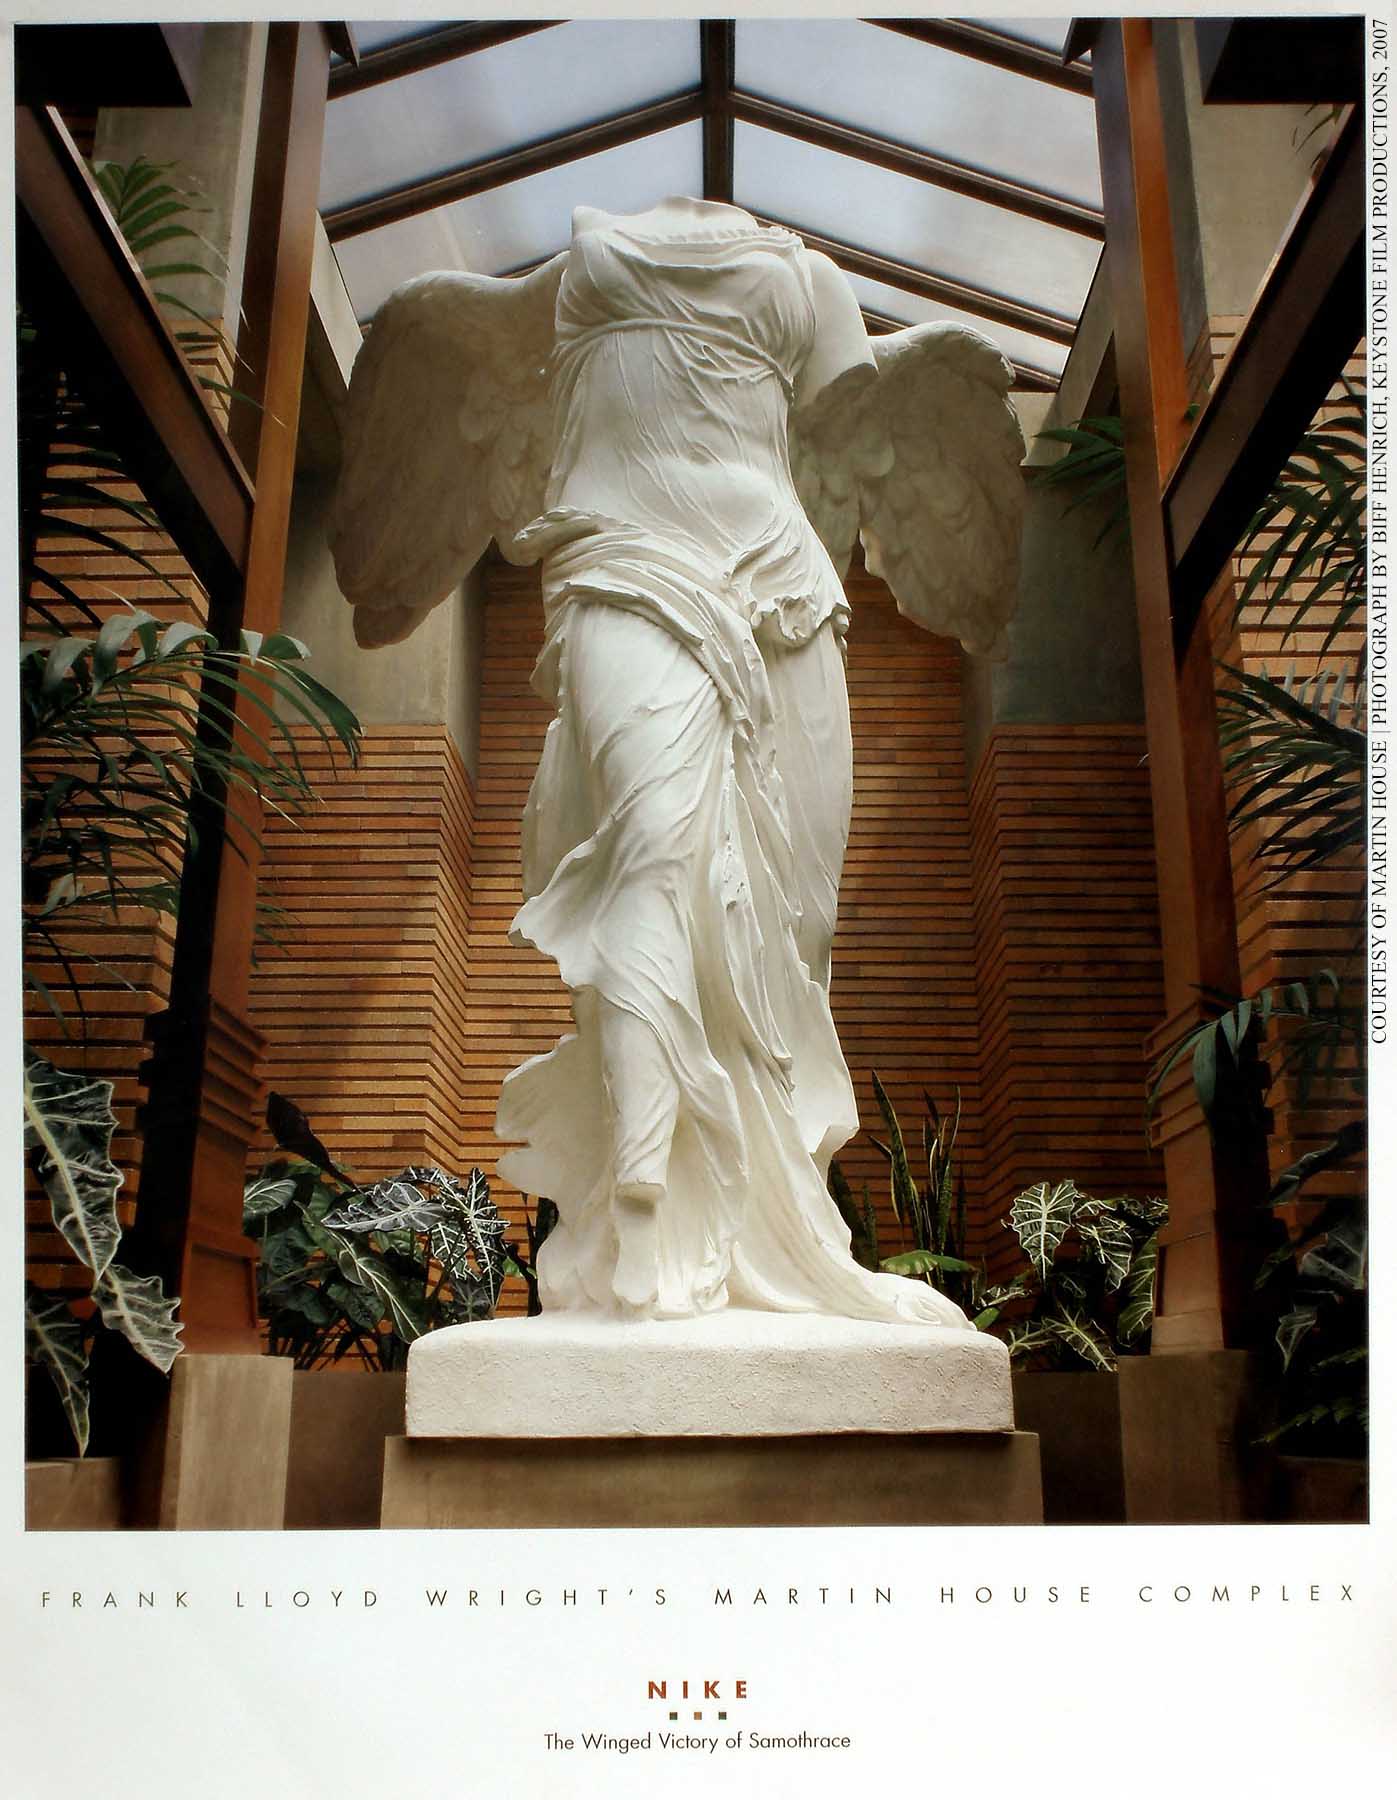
[415,197]
[1300,332]
[1216,1184]
[994,48]
[1056,327]
[428,51]
[203,1082]
[77,276]
[920,165]
[717,56]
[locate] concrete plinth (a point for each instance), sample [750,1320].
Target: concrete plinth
[946,1478]
[1189,1421]
[67,1494]
[339,1421]
[223,1464]
[732,1374]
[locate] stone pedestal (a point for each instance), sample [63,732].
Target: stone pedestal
[853,1478]
[1188,1425]
[223,1462]
[737,1419]
[731,1374]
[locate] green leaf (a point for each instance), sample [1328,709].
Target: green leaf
[906,1200]
[1110,1242]
[922,1262]
[1136,1314]
[1040,1218]
[53,1339]
[1081,1337]
[68,1127]
[267,1195]
[1294,1327]
[136,1306]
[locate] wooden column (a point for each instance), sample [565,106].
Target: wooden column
[203,1083]
[1215,1186]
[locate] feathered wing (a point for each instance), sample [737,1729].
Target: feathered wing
[447,442]
[922,460]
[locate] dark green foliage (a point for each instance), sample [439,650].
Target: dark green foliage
[1093,468]
[932,1215]
[68,1127]
[1087,1295]
[361,1272]
[858,1215]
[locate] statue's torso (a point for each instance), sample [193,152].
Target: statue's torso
[679,340]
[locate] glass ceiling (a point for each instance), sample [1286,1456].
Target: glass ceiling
[914,249]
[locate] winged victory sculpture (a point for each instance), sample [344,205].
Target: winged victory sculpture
[683,419]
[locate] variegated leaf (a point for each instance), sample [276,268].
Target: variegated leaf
[1137,1301]
[1027,1336]
[1077,1332]
[1293,1329]
[68,1125]
[53,1339]
[364,1269]
[1342,1259]
[1040,1217]
[1108,1239]
[135,1305]
[265,1196]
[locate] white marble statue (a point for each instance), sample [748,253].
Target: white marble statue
[683,419]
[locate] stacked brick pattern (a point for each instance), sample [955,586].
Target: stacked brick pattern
[1311,921]
[361,1004]
[1070,977]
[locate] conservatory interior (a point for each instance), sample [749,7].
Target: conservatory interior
[1098,964]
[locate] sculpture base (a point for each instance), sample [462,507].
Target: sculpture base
[731,1374]
[926,1478]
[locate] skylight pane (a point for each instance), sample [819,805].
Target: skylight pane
[1048,34]
[375,34]
[496,231]
[911,309]
[500,99]
[913,222]
[895,87]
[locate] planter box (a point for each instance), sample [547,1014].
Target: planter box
[1319,1490]
[68,1494]
[1077,1419]
[339,1421]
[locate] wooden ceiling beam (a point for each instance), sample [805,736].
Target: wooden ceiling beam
[76,274]
[428,51]
[920,165]
[495,171]
[993,47]
[1302,328]
[1055,327]
[717,59]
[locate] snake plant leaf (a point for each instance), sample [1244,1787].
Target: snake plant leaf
[1040,1218]
[1136,1314]
[53,1339]
[906,1200]
[1081,1338]
[136,1306]
[1292,1330]
[68,1127]
[1109,1240]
